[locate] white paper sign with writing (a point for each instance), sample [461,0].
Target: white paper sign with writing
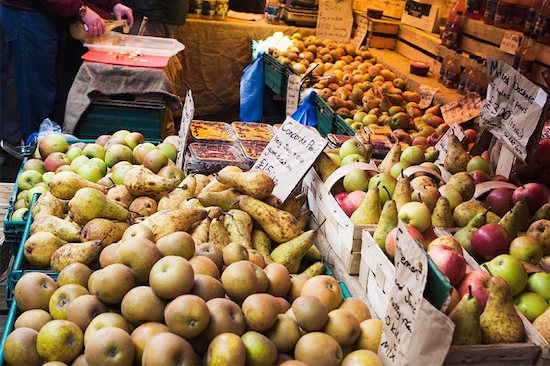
[334,20]
[427,95]
[510,42]
[513,106]
[462,110]
[293,86]
[186,118]
[289,155]
[441,145]
[360,31]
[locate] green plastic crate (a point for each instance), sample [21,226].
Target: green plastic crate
[341,127]
[275,75]
[8,328]
[330,122]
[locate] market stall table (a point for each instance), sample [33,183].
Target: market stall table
[216,53]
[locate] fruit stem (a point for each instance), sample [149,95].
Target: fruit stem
[470,291]
[484,265]
[388,192]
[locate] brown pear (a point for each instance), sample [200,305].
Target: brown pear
[164,223]
[257,184]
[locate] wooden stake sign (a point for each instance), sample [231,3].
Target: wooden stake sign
[360,31]
[334,20]
[186,119]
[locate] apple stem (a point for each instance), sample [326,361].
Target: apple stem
[185,186]
[484,265]
[470,291]
[388,192]
[112,181]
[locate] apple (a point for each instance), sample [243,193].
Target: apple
[416,214]
[442,128]
[34,164]
[400,120]
[90,172]
[46,177]
[172,139]
[421,142]
[169,149]
[478,163]
[31,192]
[447,241]
[413,155]
[100,164]
[510,269]
[102,140]
[55,160]
[534,195]
[28,179]
[133,139]
[540,283]
[500,178]
[391,239]
[52,143]
[351,201]
[20,203]
[121,134]
[73,152]
[527,249]
[490,240]
[500,200]
[118,175]
[356,180]
[478,281]
[398,168]
[351,147]
[386,185]
[20,214]
[531,304]
[79,161]
[452,195]
[449,262]
[94,151]
[353,158]
[479,176]
[155,160]
[427,194]
[172,172]
[117,153]
[431,154]
[141,150]
[434,138]
[335,158]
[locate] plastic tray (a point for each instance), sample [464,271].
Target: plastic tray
[252,149]
[251,131]
[205,131]
[119,42]
[204,157]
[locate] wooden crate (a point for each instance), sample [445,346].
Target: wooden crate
[392,8]
[382,33]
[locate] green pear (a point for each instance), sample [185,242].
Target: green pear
[390,159]
[464,184]
[255,183]
[464,235]
[174,199]
[388,221]
[47,204]
[442,215]
[465,315]
[262,243]
[290,254]
[466,211]
[325,166]
[86,253]
[223,199]
[63,229]
[369,210]
[163,223]
[239,226]
[217,233]
[40,247]
[511,220]
[141,181]
[316,269]
[402,192]
[90,203]
[457,158]
[65,184]
[543,213]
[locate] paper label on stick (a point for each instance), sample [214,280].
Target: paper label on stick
[293,87]
[427,95]
[513,106]
[510,42]
[441,145]
[334,20]
[289,155]
[186,119]
[462,110]
[360,31]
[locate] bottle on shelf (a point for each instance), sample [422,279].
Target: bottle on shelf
[534,11]
[520,15]
[467,76]
[453,28]
[444,60]
[504,13]
[454,70]
[525,55]
[490,11]
[475,9]
[542,26]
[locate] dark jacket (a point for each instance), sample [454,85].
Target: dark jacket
[248,6]
[166,11]
[62,8]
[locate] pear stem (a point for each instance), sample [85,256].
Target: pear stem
[388,192]
[470,291]
[484,265]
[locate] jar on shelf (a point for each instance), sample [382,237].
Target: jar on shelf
[208,9]
[195,9]
[222,7]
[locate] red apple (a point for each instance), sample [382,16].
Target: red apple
[500,178]
[391,238]
[52,143]
[533,194]
[55,160]
[434,138]
[479,281]
[402,136]
[479,176]
[350,201]
[421,141]
[471,135]
[490,240]
[500,200]
[449,262]
[542,152]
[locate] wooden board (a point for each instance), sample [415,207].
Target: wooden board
[392,8]
[388,43]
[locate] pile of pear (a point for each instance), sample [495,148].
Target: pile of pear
[167,301]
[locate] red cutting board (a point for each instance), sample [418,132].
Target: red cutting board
[125,60]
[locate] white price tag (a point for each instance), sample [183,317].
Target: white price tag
[294,84]
[186,118]
[462,110]
[510,42]
[360,31]
[427,95]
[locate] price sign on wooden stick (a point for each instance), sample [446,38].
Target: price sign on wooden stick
[334,20]
[186,119]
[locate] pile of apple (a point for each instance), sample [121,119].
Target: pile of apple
[95,162]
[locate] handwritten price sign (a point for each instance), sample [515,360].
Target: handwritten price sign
[334,20]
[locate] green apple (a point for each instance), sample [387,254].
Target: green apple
[352,146]
[31,193]
[431,155]
[357,126]
[540,283]
[90,172]
[531,304]
[73,153]
[386,185]
[28,179]
[46,177]
[353,158]
[370,119]
[169,149]
[335,158]
[397,168]
[416,214]
[94,151]
[117,153]
[19,215]
[79,161]
[511,270]
[133,139]
[432,166]
[141,150]
[413,155]
[478,163]
[358,116]
[34,164]
[527,249]
[356,180]
[59,340]
[452,195]
[118,175]
[100,164]
[121,134]
[52,143]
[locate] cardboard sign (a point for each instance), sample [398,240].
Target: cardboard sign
[427,95]
[289,155]
[441,145]
[360,31]
[462,110]
[293,87]
[334,20]
[186,118]
[510,42]
[513,106]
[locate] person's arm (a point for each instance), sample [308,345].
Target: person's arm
[117,8]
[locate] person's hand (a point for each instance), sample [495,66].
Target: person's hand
[121,10]
[95,24]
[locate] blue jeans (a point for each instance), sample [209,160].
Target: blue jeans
[33,40]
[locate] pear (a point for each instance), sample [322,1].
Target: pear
[290,254]
[500,322]
[174,199]
[214,186]
[107,231]
[199,233]
[442,215]
[402,192]
[388,221]
[465,315]
[457,158]
[257,184]
[273,201]
[368,211]
[390,159]
[543,213]
[464,184]
[304,219]
[325,166]
[90,203]
[293,204]
[218,234]
[464,235]
[542,324]
[121,195]
[202,181]
[262,243]
[316,269]
[466,211]
[312,255]
[86,253]
[523,216]
[239,226]
[68,231]
[279,225]
[163,223]
[40,247]
[47,204]
[140,181]
[213,212]
[190,203]
[65,184]
[511,220]
[223,199]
